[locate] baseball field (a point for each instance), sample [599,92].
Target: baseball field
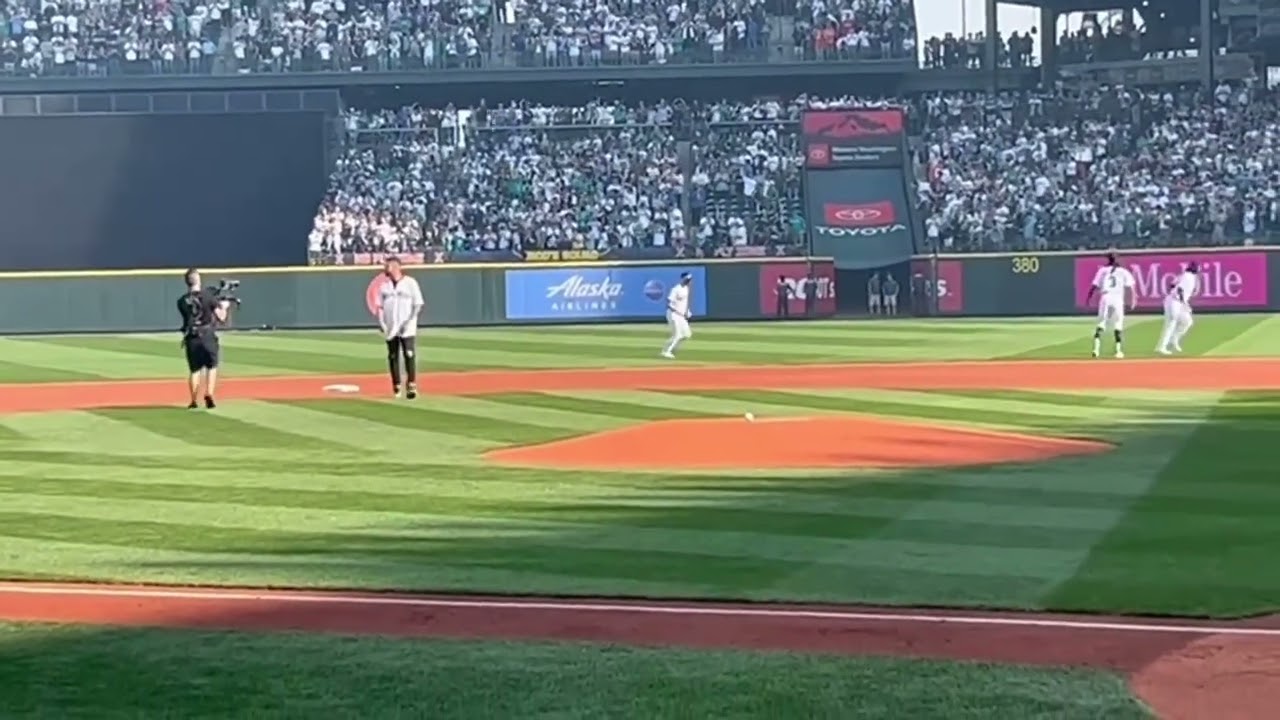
[923,519]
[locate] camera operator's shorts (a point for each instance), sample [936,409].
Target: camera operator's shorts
[202,352]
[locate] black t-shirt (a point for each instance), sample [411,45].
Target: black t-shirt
[196,309]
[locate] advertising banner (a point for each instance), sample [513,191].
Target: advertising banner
[796,273]
[941,281]
[859,217]
[590,293]
[1227,279]
[853,137]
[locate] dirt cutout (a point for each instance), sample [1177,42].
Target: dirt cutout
[802,442]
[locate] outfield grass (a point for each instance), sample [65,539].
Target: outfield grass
[76,673]
[92,357]
[373,493]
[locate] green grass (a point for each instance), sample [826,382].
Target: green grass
[93,674]
[375,494]
[88,357]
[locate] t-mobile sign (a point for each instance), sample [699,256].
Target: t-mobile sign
[1227,280]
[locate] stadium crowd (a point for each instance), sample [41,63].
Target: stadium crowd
[46,37]
[77,37]
[1017,171]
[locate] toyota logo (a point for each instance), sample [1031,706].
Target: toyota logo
[858,215]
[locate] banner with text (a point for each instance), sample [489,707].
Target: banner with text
[853,137]
[859,216]
[1227,279]
[814,295]
[937,286]
[591,293]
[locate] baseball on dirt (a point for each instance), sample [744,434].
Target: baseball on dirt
[750,417]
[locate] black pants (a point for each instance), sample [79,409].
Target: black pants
[406,347]
[201,351]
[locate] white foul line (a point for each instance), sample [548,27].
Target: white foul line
[639,608]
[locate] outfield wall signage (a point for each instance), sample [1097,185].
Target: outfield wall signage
[591,294]
[795,273]
[853,137]
[859,216]
[938,285]
[1227,280]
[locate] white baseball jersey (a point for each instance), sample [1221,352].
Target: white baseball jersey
[678,300]
[398,306]
[1111,282]
[1184,288]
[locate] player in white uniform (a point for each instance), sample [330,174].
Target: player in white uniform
[1177,310]
[678,315]
[399,305]
[1116,290]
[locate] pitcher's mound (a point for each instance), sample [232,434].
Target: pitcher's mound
[816,442]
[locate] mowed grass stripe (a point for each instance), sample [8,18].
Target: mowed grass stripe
[596,405]
[212,429]
[73,431]
[351,437]
[419,416]
[754,399]
[14,372]
[676,404]
[241,348]
[203,504]
[497,408]
[1207,550]
[10,436]
[114,563]
[981,406]
[434,352]
[662,556]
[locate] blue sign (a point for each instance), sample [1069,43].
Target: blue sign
[593,293]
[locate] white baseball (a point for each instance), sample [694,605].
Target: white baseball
[750,417]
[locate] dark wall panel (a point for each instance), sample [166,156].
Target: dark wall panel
[155,191]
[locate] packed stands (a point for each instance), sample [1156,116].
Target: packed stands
[75,37]
[1016,171]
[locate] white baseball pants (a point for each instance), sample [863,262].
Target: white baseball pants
[1177,322]
[680,330]
[1111,314]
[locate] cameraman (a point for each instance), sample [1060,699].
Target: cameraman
[202,309]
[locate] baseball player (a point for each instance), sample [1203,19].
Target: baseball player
[1177,310]
[1116,289]
[678,315]
[399,305]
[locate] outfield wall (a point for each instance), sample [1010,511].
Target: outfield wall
[472,294]
[1053,283]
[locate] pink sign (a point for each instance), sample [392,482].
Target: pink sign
[1227,279]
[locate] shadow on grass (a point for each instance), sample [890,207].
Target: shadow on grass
[1199,540]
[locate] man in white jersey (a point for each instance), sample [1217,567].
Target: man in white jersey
[399,304]
[1116,290]
[678,315]
[1177,310]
